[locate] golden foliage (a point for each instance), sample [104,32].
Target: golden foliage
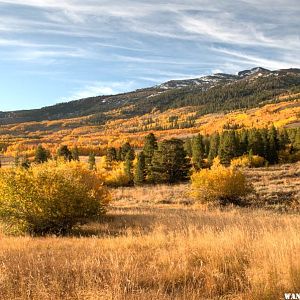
[220,184]
[51,197]
[255,161]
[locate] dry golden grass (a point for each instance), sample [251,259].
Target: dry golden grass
[159,254]
[151,248]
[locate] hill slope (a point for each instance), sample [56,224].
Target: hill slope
[215,93]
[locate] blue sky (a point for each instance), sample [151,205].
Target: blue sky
[58,50]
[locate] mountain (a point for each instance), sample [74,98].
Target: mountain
[214,93]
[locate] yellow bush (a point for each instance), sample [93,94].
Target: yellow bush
[255,161]
[225,185]
[51,198]
[116,176]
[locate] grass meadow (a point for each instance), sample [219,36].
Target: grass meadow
[156,243]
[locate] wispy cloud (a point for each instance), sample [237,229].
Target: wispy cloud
[107,42]
[100,88]
[258,60]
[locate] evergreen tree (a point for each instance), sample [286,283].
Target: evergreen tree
[128,165]
[92,161]
[124,150]
[206,145]
[119,154]
[296,143]
[213,147]
[255,142]
[150,145]
[170,163]
[265,143]
[75,153]
[25,162]
[111,155]
[64,152]
[197,152]
[243,142]
[228,147]
[273,146]
[283,139]
[188,147]
[139,171]
[41,154]
[17,160]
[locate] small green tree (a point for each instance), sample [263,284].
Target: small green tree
[63,151]
[111,155]
[214,143]
[273,146]
[197,152]
[92,161]
[25,162]
[139,171]
[128,166]
[41,155]
[75,153]
[228,147]
[188,147]
[124,150]
[150,145]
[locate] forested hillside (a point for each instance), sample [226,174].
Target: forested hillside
[210,94]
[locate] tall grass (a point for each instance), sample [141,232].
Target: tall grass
[155,253]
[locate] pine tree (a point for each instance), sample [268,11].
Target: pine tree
[170,163]
[139,171]
[119,154]
[243,142]
[283,139]
[197,152]
[255,142]
[92,161]
[265,143]
[64,152]
[111,155]
[75,153]
[128,165]
[25,162]
[228,147]
[296,143]
[124,150]
[41,154]
[17,160]
[273,146]
[188,147]
[150,145]
[213,147]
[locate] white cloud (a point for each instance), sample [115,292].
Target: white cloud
[259,61]
[100,88]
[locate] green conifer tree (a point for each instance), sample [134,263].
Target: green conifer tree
[197,152]
[214,143]
[41,154]
[139,171]
[92,161]
[150,145]
[75,153]
[170,163]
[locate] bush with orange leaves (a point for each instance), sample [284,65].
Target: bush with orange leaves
[220,184]
[51,197]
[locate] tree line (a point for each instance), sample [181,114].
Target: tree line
[173,160]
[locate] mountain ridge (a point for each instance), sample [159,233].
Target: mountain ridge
[173,93]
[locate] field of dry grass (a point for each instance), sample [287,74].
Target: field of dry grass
[155,243]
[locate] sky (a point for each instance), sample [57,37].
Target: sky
[54,51]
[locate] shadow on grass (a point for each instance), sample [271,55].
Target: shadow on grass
[113,225]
